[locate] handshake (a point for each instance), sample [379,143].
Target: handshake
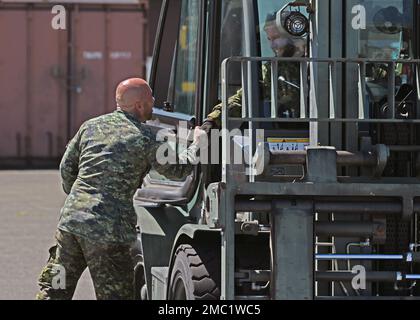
[201,133]
[207,125]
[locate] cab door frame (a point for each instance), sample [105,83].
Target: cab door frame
[167,13]
[164,117]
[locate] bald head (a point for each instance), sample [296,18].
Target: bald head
[135,96]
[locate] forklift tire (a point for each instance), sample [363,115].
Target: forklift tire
[140,288]
[195,274]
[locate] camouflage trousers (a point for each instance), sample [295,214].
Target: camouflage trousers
[110,265]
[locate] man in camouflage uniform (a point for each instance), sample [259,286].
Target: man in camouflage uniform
[101,169]
[283,45]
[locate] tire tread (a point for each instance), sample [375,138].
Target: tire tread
[203,264]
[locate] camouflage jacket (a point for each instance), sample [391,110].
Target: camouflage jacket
[288,97]
[102,168]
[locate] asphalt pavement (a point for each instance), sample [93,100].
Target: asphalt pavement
[30,203]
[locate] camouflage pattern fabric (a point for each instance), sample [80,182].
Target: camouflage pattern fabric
[110,266]
[102,167]
[288,97]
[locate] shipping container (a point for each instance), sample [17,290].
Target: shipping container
[53,80]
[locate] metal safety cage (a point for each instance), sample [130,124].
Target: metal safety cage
[293,204]
[306,91]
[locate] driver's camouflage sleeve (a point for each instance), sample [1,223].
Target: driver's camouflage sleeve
[234,108]
[288,96]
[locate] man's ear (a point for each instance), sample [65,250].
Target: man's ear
[138,106]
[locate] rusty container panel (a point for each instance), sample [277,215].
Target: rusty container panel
[32,103]
[47,88]
[54,80]
[109,47]
[13,68]
[125,58]
[88,87]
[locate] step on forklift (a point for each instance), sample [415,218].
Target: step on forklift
[326,203]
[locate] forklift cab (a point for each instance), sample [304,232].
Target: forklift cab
[193,40]
[341,74]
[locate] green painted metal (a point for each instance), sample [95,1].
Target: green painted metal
[159,229]
[292,246]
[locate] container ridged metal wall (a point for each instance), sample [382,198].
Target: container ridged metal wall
[51,81]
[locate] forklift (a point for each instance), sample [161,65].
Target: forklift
[326,204]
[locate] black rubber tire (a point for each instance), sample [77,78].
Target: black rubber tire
[195,274]
[140,289]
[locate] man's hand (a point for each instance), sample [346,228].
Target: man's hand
[199,135]
[207,125]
